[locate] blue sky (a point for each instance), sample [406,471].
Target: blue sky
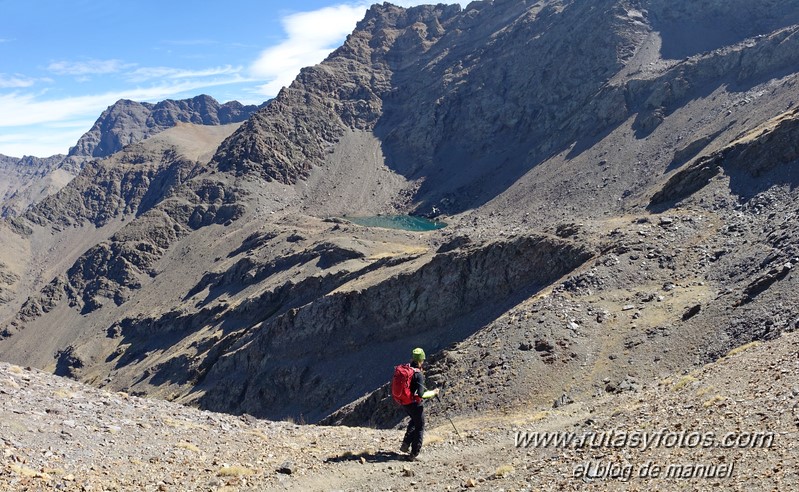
[62,63]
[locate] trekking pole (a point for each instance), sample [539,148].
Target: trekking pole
[450,420]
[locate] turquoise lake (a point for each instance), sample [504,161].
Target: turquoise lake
[403,222]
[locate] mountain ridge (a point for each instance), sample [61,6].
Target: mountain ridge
[127,121]
[124,122]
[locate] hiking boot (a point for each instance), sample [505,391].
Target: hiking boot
[412,457]
[405,447]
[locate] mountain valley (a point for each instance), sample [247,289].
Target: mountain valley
[618,179]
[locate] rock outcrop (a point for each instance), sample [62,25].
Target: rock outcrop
[307,361]
[769,147]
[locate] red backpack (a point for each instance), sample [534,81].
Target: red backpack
[401,384]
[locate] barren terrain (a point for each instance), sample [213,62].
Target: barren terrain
[621,199]
[58,434]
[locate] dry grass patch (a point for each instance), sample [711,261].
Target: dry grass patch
[352,455]
[433,439]
[746,346]
[540,415]
[15,369]
[504,470]
[235,471]
[716,399]
[178,424]
[704,390]
[189,446]
[28,472]
[258,434]
[684,381]
[364,452]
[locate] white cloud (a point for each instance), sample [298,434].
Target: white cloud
[88,67]
[33,124]
[20,109]
[15,81]
[42,127]
[39,123]
[42,141]
[310,37]
[148,73]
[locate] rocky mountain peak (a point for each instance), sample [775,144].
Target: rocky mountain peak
[128,121]
[403,74]
[123,123]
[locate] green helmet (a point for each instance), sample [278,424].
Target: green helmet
[418,355]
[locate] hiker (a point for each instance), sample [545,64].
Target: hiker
[408,390]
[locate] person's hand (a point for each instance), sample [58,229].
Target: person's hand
[437,390]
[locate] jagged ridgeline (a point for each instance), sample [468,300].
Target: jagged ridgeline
[617,179]
[29,180]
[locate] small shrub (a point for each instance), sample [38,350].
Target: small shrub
[258,434]
[189,446]
[684,381]
[540,415]
[503,470]
[27,472]
[713,401]
[704,390]
[433,439]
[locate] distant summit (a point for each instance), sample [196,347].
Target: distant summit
[127,121]
[28,180]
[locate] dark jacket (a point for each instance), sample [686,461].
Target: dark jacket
[417,385]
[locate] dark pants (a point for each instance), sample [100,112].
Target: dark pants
[415,432]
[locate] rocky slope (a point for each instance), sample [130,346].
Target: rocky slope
[27,180]
[620,204]
[59,434]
